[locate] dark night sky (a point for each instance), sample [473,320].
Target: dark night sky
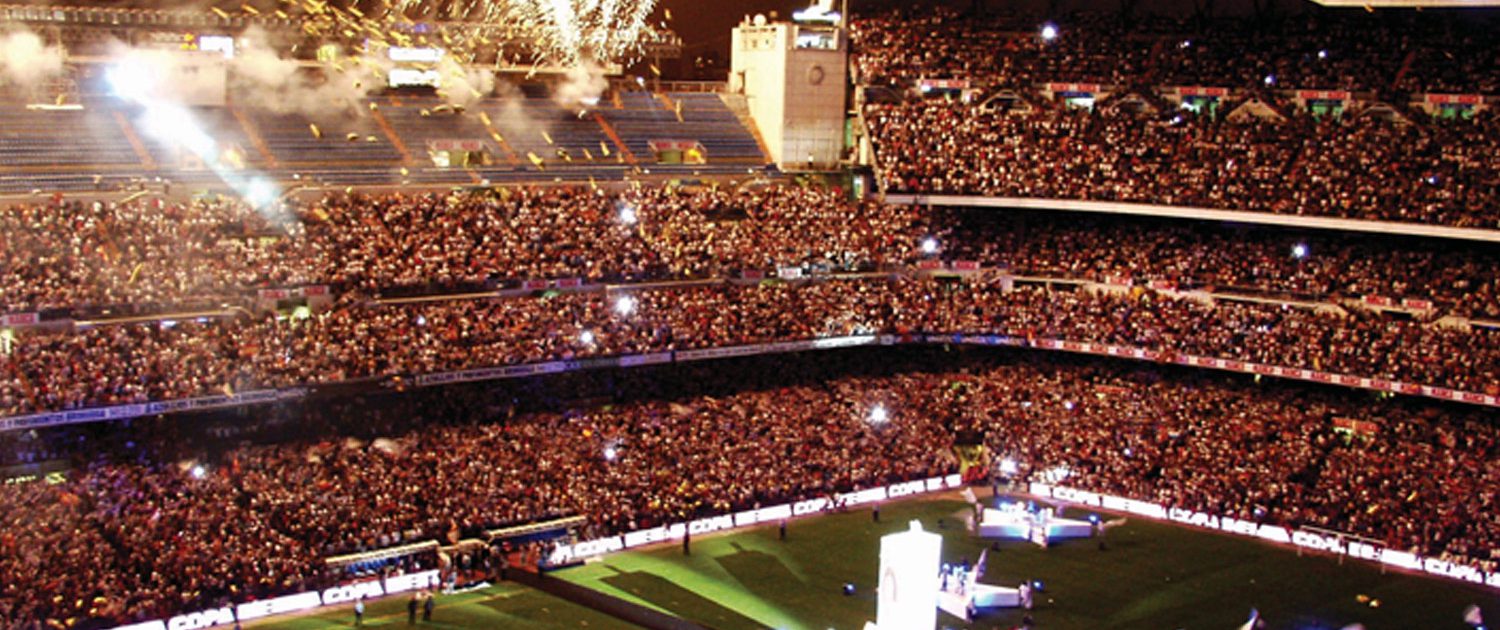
[705,24]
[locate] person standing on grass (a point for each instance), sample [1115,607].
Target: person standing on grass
[411,610]
[428,605]
[359,612]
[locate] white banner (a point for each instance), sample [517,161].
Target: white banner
[566,554]
[1319,540]
[247,611]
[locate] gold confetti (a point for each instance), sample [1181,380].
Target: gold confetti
[316,132]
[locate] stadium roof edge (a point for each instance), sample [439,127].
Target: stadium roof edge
[1408,4]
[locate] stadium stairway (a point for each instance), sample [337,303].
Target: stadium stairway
[741,110]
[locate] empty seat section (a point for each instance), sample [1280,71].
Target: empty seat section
[291,140]
[57,138]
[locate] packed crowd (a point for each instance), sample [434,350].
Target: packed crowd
[1388,52]
[1354,167]
[1417,479]
[126,538]
[353,340]
[137,257]
[1314,265]
[648,234]
[141,254]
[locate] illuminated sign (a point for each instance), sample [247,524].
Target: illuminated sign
[1318,540]
[405,77]
[415,55]
[588,549]
[217,43]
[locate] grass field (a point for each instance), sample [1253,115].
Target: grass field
[506,605]
[1152,576]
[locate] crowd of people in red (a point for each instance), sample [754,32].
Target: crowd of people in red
[147,255]
[146,524]
[1449,52]
[116,259]
[1310,265]
[1362,168]
[354,340]
[164,517]
[1413,168]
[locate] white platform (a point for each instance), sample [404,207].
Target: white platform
[982,596]
[1018,524]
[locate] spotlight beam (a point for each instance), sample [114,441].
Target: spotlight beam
[175,125]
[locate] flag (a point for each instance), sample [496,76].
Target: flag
[979,566]
[1253,622]
[968,495]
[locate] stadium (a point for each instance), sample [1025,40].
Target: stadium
[668,315]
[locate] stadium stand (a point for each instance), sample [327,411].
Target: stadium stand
[574,145]
[344,315]
[1328,116]
[256,519]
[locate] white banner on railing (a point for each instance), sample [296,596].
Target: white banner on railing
[1319,540]
[587,549]
[552,367]
[120,412]
[1233,365]
[246,611]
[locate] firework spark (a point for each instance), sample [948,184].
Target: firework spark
[562,32]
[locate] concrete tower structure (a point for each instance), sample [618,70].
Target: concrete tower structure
[793,76]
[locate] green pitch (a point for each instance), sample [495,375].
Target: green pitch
[503,606]
[1152,576]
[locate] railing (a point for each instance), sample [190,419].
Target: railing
[387,553]
[119,412]
[1187,212]
[707,87]
[1316,539]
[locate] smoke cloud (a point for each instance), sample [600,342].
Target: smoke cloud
[261,78]
[582,86]
[26,61]
[463,86]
